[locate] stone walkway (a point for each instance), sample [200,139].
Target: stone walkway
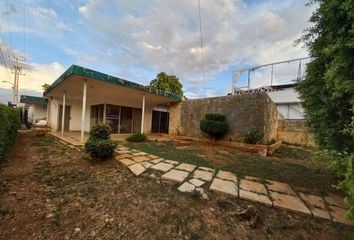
[196,179]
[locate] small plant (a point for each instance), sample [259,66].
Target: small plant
[253,137]
[215,125]
[137,137]
[99,145]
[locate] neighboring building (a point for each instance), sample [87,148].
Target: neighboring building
[81,98]
[35,108]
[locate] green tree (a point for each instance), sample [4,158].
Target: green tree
[45,86]
[328,89]
[169,83]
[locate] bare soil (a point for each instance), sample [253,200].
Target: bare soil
[51,191]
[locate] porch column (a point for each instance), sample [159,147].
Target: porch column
[142,116]
[104,113]
[83,114]
[63,115]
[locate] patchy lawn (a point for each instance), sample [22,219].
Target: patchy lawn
[51,191]
[289,164]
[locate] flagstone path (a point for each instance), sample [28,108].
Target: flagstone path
[191,178]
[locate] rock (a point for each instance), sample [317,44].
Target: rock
[77,230]
[250,214]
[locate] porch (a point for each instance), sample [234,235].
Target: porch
[74,137]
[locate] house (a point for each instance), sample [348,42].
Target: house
[81,98]
[35,108]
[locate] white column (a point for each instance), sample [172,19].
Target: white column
[104,113]
[142,115]
[63,115]
[83,114]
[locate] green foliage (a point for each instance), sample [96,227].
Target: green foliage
[100,131]
[137,137]
[99,145]
[328,89]
[169,83]
[253,137]
[9,123]
[214,124]
[215,116]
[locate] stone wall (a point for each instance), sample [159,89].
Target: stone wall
[243,113]
[294,132]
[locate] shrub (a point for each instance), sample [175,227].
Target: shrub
[100,131]
[253,137]
[9,123]
[215,117]
[99,145]
[214,124]
[137,137]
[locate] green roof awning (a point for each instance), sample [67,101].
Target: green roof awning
[33,99]
[85,72]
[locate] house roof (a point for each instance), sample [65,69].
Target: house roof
[33,99]
[89,73]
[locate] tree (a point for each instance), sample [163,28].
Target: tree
[169,83]
[45,86]
[215,125]
[328,89]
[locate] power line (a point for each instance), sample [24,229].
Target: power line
[5,64]
[24,27]
[201,45]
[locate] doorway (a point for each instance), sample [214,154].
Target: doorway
[160,122]
[66,118]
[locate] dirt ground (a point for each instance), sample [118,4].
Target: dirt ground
[51,191]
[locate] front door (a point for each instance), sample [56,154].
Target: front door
[160,122]
[66,118]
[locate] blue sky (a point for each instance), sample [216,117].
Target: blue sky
[136,39]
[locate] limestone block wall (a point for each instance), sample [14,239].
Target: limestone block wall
[295,132]
[244,113]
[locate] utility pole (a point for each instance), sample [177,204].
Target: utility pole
[17,72]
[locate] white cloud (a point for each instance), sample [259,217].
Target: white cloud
[164,35]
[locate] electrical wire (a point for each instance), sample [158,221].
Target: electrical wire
[201,45]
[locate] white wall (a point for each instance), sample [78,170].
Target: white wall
[36,112]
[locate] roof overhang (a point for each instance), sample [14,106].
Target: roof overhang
[85,73]
[33,100]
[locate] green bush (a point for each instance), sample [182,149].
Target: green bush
[100,131]
[215,117]
[214,124]
[9,123]
[137,137]
[253,137]
[99,145]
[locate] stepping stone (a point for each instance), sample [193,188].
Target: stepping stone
[338,215]
[139,153]
[226,175]
[321,213]
[146,165]
[156,161]
[186,167]
[137,169]
[123,151]
[186,187]
[280,187]
[203,175]
[126,161]
[336,201]
[125,155]
[252,186]
[171,162]
[135,151]
[313,200]
[254,197]
[164,167]
[122,148]
[224,187]
[175,176]
[252,178]
[196,182]
[153,156]
[206,169]
[289,202]
[141,159]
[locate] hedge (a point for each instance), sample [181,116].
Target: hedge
[9,123]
